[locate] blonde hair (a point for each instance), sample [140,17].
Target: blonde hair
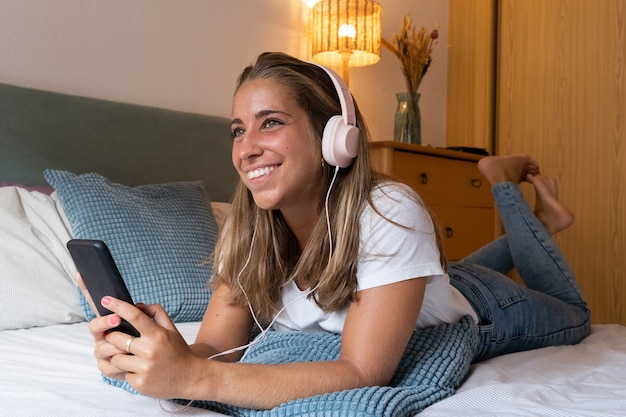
[262,268]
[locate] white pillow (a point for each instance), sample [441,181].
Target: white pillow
[37,286]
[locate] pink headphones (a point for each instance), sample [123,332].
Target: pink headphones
[340,141]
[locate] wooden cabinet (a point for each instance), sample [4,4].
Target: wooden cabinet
[450,184]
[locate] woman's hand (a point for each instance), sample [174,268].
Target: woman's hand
[160,363]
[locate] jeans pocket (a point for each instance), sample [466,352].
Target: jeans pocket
[499,301]
[509,299]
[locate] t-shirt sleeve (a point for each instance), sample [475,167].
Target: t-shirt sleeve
[398,240]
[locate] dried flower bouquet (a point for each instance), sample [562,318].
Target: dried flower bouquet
[414,50]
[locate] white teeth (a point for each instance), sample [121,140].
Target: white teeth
[259,172]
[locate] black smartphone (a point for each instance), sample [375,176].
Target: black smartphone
[101,276]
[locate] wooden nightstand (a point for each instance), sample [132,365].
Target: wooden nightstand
[450,184]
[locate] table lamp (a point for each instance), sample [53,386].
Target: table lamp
[346,33]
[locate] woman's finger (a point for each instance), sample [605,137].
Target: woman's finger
[104,353]
[124,343]
[99,326]
[132,314]
[106,350]
[161,321]
[157,313]
[107,368]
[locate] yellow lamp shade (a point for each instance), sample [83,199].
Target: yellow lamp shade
[346,32]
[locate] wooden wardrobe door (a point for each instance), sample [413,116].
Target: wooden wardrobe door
[470,101]
[561,97]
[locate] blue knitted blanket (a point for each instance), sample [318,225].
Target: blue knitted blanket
[433,366]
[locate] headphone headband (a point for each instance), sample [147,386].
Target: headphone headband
[345,98]
[340,141]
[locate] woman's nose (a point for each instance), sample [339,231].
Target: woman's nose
[245,154]
[249,147]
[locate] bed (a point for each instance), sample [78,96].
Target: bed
[130,158]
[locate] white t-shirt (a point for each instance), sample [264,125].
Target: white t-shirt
[389,253]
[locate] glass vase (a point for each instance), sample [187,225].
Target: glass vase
[408,121]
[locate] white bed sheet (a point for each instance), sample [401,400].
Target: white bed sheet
[50,371]
[586,380]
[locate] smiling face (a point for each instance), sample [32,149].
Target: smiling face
[274,151]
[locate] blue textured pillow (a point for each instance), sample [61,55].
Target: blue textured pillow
[160,236]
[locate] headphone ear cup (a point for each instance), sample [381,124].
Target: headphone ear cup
[340,142]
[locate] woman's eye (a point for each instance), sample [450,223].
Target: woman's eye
[236,132]
[269,123]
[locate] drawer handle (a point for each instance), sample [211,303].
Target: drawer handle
[477,183]
[424,178]
[449,231]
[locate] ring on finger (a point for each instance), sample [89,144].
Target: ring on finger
[129,342]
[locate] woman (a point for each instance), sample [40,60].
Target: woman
[312,246]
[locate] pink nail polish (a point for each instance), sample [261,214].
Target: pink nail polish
[114,320]
[106,300]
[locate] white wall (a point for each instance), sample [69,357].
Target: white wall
[186,54]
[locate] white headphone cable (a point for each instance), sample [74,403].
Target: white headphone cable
[306,294]
[269,326]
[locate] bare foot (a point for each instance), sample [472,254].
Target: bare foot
[513,168]
[554,215]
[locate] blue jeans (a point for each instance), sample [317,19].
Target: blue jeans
[549,310]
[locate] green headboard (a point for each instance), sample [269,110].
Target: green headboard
[128,143]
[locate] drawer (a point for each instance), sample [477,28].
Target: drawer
[464,229]
[443,181]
